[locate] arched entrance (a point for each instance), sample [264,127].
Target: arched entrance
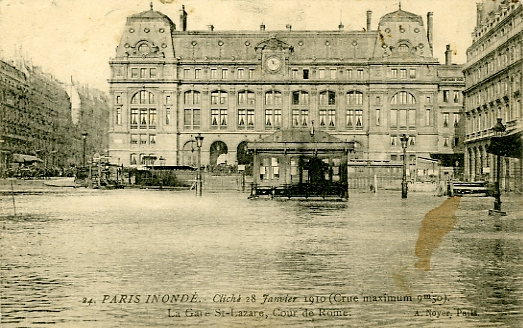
[218,148]
[243,156]
[190,154]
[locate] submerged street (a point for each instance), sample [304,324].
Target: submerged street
[144,258]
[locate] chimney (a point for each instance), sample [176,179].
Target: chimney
[430,28]
[210,27]
[288,27]
[369,16]
[183,18]
[262,27]
[448,56]
[479,14]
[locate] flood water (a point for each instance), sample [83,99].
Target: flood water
[144,258]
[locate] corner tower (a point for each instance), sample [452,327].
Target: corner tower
[401,34]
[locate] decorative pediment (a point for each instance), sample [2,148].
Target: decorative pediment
[273,44]
[144,49]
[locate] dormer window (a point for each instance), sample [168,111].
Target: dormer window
[403,49]
[143,48]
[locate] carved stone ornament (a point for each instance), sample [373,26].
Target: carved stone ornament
[144,49]
[273,44]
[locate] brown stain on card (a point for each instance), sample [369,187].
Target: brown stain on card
[437,223]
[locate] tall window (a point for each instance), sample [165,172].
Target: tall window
[191,110]
[403,111]
[354,112]
[300,108]
[456,96]
[445,120]
[119,116]
[273,109]
[219,109]
[428,120]
[455,117]
[143,110]
[327,110]
[446,96]
[332,73]
[246,102]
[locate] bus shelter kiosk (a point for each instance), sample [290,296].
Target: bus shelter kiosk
[300,163]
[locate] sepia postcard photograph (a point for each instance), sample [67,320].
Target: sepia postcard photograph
[247,163]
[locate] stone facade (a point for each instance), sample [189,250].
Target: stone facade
[235,87]
[36,117]
[493,89]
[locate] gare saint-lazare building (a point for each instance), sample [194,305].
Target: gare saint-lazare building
[361,89]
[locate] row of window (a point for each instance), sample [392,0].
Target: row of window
[304,73]
[274,97]
[146,118]
[141,159]
[455,96]
[143,139]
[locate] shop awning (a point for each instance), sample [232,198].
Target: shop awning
[449,159]
[509,145]
[22,158]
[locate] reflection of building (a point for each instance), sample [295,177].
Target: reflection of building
[494,77]
[234,87]
[36,119]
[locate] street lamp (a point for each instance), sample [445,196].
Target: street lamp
[404,187]
[199,142]
[84,138]
[499,130]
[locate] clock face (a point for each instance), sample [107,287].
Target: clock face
[273,63]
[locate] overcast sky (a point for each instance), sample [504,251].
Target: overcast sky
[78,37]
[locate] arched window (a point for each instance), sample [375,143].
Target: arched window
[354,98]
[327,98]
[191,98]
[143,97]
[273,108]
[403,98]
[191,110]
[327,110]
[300,108]
[143,114]
[403,111]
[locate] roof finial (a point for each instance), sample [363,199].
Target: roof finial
[399,5]
[151,4]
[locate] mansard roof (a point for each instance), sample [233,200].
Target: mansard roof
[401,16]
[151,15]
[246,45]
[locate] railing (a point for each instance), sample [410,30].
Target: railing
[338,190]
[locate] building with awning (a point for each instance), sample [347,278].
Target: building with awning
[493,92]
[300,163]
[509,145]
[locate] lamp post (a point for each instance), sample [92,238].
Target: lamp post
[199,142]
[498,130]
[404,187]
[84,138]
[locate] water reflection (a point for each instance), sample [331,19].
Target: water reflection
[65,247]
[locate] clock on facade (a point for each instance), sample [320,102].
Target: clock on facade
[273,63]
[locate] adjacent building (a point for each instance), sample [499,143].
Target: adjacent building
[36,116]
[493,75]
[368,87]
